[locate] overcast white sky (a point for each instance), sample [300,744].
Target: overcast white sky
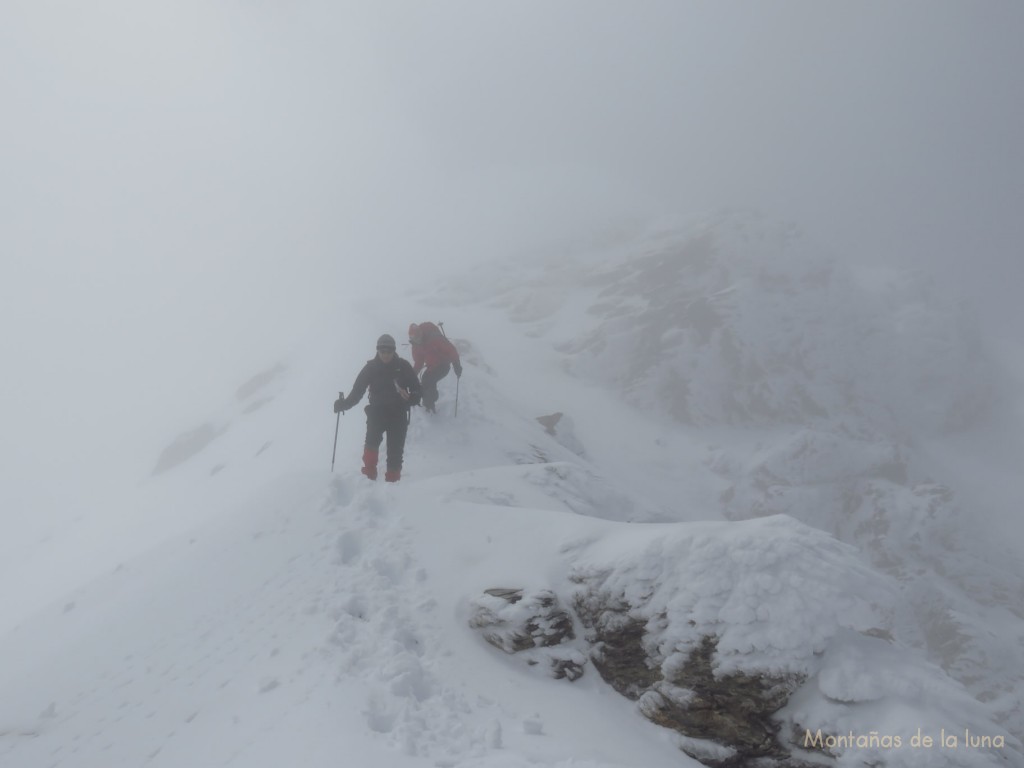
[186,185]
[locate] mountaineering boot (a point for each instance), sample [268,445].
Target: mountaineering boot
[429,399]
[393,475]
[369,463]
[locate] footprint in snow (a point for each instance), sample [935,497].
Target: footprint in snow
[340,493]
[350,546]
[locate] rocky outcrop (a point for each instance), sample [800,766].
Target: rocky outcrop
[761,643]
[536,625]
[709,628]
[734,710]
[550,421]
[561,428]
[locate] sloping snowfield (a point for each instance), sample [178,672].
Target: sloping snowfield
[245,605]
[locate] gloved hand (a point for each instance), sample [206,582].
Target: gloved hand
[458,370]
[339,405]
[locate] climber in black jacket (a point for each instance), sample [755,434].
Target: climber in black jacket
[394,389]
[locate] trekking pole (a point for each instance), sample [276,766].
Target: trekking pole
[457,378]
[336,423]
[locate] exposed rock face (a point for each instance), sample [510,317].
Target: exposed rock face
[619,655]
[732,710]
[710,628]
[743,638]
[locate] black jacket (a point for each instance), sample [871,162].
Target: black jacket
[383,380]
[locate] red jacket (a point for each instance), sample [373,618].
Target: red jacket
[430,348]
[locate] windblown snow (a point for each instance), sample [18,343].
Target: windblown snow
[754,444]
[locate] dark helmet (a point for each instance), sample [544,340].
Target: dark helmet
[387,341]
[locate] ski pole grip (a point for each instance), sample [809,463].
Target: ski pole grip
[341,396]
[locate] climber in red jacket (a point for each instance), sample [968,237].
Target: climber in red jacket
[435,355]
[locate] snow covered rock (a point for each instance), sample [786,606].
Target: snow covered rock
[560,427]
[536,624]
[874,702]
[742,637]
[829,384]
[736,709]
[869,493]
[711,627]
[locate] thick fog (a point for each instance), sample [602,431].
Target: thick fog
[188,187]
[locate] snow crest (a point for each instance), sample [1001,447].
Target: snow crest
[772,591]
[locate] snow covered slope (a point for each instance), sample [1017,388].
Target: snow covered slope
[862,402]
[735,320]
[249,607]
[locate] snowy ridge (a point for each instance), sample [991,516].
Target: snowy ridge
[275,615]
[812,390]
[268,612]
[735,320]
[772,591]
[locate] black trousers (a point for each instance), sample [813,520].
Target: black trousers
[429,383]
[393,422]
